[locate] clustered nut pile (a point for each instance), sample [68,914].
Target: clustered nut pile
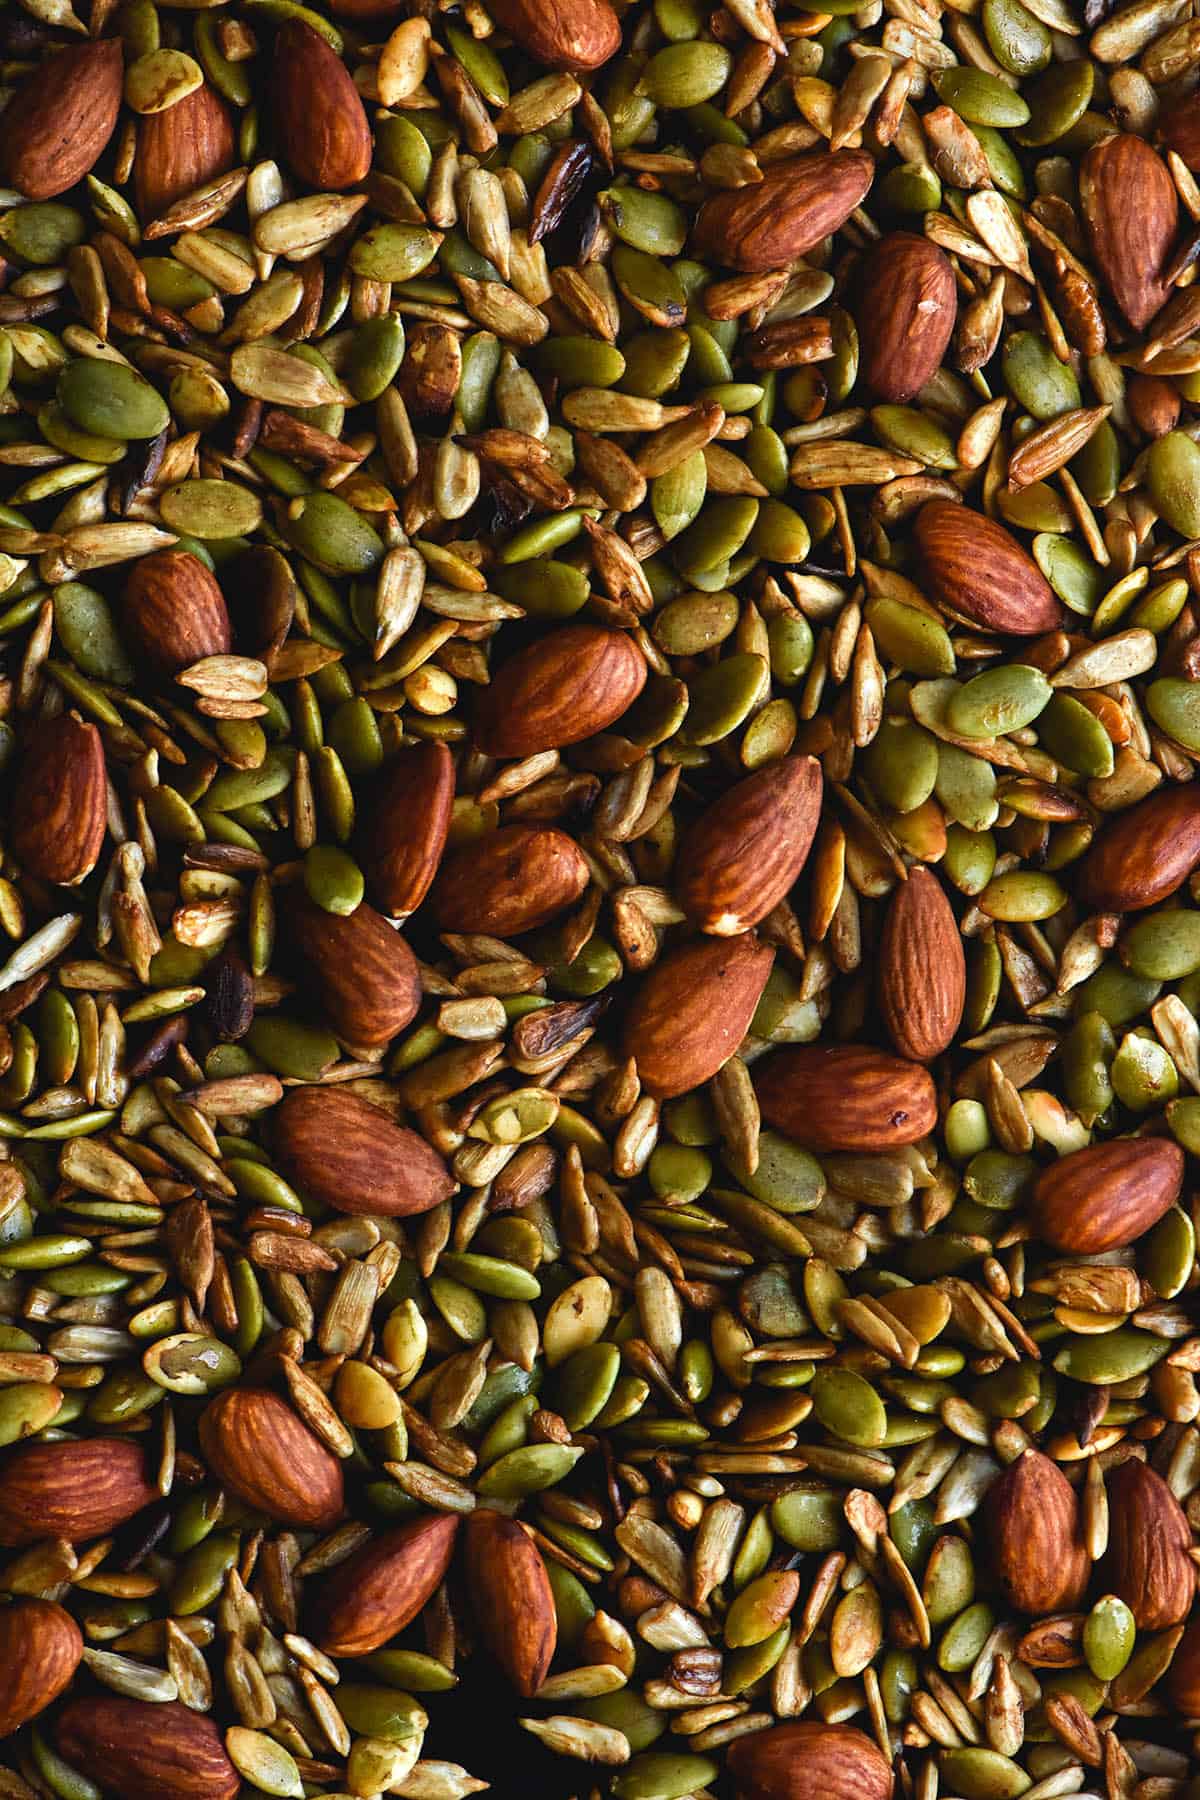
[600,896]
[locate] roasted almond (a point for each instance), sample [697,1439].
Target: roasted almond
[262,1451]
[846,1097]
[977,570]
[58,122]
[746,851]
[405,826]
[367,978]
[1105,1196]
[77,1489]
[40,1648]
[1145,853]
[146,1750]
[773,221]
[922,968]
[347,1155]
[173,612]
[180,149]
[809,1760]
[1131,211]
[693,1009]
[510,881]
[905,305]
[59,809]
[561,689]
[512,1598]
[1037,1551]
[320,119]
[1148,1565]
[383,1586]
[573,34]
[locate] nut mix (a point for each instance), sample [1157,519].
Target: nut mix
[600,890]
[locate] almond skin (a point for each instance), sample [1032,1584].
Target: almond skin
[404,831]
[510,881]
[367,977]
[559,690]
[1148,1565]
[383,1586]
[173,612]
[348,1155]
[1038,1554]
[905,307]
[59,809]
[1105,1196]
[787,213]
[511,1594]
[40,1648]
[1142,855]
[77,1489]
[1131,212]
[922,968]
[59,121]
[263,1452]
[320,120]
[146,1750]
[180,149]
[977,569]
[746,851]
[693,1009]
[806,1759]
[846,1097]
[573,34]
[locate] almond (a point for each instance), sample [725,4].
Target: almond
[146,1750]
[40,1648]
[265,1454]
[60,801]
[905,306]
[922,968]
[368,982]
[1179,129]
[1148,1564]
[383,1586]
[1131,212]
[773,221]
[693,1009]
[405,824]
[180,149]
[77,1489]
[1183,1677]
[512,1597]
[846,1097]
[1038,1554]
[1105,1196]
[320,120]
[976,569]
[60,119]
[808,1760]
[561,689]
[746,851]
[173,612]
[510,881]
[1143,854]
[572,34]
[347,1155]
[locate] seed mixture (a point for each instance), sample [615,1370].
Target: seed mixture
[599,858]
